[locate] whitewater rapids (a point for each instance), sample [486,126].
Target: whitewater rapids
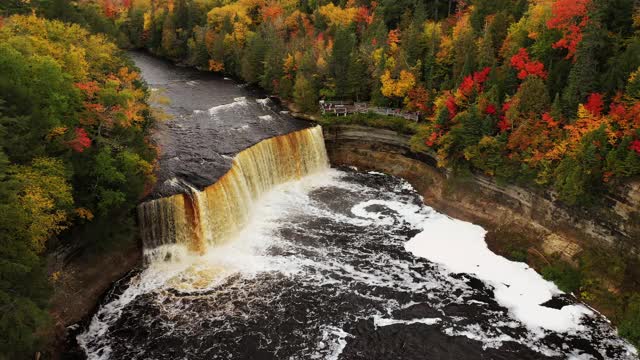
[350,265]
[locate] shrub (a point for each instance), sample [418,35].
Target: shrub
[564,276]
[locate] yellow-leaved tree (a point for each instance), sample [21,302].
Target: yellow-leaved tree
[44,198]
[397,87]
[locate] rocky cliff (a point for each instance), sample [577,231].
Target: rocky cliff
[559,228]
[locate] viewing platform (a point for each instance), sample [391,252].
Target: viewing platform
[345,108]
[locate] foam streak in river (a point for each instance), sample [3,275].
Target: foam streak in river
[198,219]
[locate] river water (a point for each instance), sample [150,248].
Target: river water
[210,120]
[339,264]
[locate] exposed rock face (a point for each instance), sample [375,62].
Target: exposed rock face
[80,278]
[480,199]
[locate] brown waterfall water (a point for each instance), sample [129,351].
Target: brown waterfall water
[199,219]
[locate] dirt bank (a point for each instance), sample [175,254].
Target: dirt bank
[80,279]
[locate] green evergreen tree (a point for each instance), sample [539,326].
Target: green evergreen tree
[340,60]
[583,77]
[579,176]
[532,97]
[358,80]
[273,59]
[253,60]
[305,94]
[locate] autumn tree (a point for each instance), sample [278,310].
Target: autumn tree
[570,17]
[304,94]
[31,201]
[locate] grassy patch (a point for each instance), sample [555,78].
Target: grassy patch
[398,124]
[630,324]
[510,242]
[564,276]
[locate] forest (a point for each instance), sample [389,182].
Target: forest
[74,159]
[543,93]
[538,92]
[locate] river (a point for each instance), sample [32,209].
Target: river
[328,264]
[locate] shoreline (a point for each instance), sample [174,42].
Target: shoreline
[534,226]
[85,281]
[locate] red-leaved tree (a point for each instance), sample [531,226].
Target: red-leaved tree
[526,66]
[81,141]
[595,104]
[570,17]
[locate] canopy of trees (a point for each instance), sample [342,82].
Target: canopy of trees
[73,151]
[523,72]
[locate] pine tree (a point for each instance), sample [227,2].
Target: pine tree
[305,94]
[169,39]
[252,68]
[486,50]
[532,97]
[273,59]
[413,41]
[464,53]
[340,60]
[583,77]
[556,108]
[358,79]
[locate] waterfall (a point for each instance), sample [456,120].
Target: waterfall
[189,223]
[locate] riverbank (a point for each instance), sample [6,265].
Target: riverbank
[585,251]
[80,278]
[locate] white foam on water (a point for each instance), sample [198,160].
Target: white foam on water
[263,102]
[93,340]
[461,248]
[380,321]
[334,340]
[243,127]
[576,355]
[266,118]
[475,332]
[413,214]
[237,103]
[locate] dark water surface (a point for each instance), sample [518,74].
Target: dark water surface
[321,272]
[211,119]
